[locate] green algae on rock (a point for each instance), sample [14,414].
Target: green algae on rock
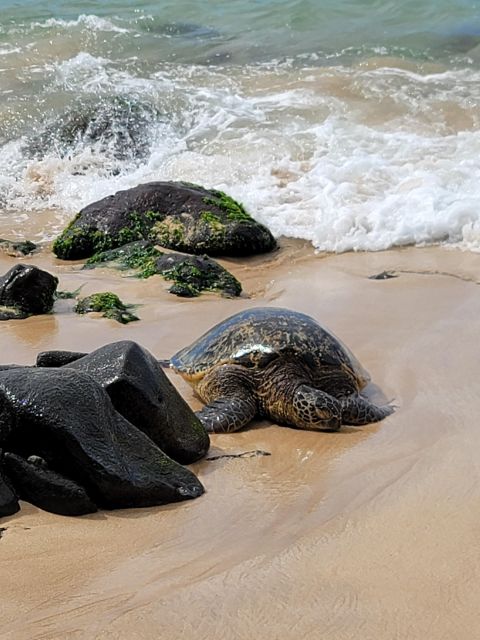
[109,303]
[190,274]
[140,256]
[193,274]
[175,215]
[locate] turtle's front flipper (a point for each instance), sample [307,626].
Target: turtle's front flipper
[228,392]
[227,414]
[357,410]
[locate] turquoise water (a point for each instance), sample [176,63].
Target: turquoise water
[354,125]
[262,29]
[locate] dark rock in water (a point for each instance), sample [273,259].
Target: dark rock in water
[119,128]
[64,416]
[57,358]
[109,303]
[384,275]
[17,248]
[176,215]
[8,500]
[182,29]
[26,290]
[191,274]
[142,393]
[45,488]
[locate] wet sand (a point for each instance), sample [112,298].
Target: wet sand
[368,533]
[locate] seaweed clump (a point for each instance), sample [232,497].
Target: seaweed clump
[109,303]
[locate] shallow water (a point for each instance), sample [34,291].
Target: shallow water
[352,126]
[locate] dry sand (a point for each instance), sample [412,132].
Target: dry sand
[370,533]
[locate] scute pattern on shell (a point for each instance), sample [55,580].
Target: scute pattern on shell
[254,337]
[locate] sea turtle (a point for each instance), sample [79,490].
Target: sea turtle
[279,364]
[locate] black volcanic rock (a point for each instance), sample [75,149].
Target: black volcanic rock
[176,215]
[8,500]
[26,290]
[65,417]
[45,488]
[57,358]
[142,393]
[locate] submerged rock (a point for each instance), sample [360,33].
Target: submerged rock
[65,417]
[191,274]
[116,127]
[176,215]
[26,290]
[182,29]
[110,304]
[383,275]
[17,248]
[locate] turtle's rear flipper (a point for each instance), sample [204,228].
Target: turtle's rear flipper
[357,410]
[46,488]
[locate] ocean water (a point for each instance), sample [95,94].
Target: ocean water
[354,125]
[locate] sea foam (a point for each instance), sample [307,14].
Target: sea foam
[347,158]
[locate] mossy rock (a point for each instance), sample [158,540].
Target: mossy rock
[190,274]
[109,303]
[175,215]
[140,256]
[193,274]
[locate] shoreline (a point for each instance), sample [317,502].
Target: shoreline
[368,531]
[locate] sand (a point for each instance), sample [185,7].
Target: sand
[370,533]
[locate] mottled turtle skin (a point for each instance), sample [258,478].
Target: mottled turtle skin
[279,364]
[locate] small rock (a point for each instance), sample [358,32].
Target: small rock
[384,275]
[26,290]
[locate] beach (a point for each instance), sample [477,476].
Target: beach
[352,132]
[370,532]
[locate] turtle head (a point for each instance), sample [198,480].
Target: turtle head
[315,410]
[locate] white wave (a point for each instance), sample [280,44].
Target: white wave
[347,159]
[82,71]
[8,50]
[86,21]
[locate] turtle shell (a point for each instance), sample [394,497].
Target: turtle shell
[255,337]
